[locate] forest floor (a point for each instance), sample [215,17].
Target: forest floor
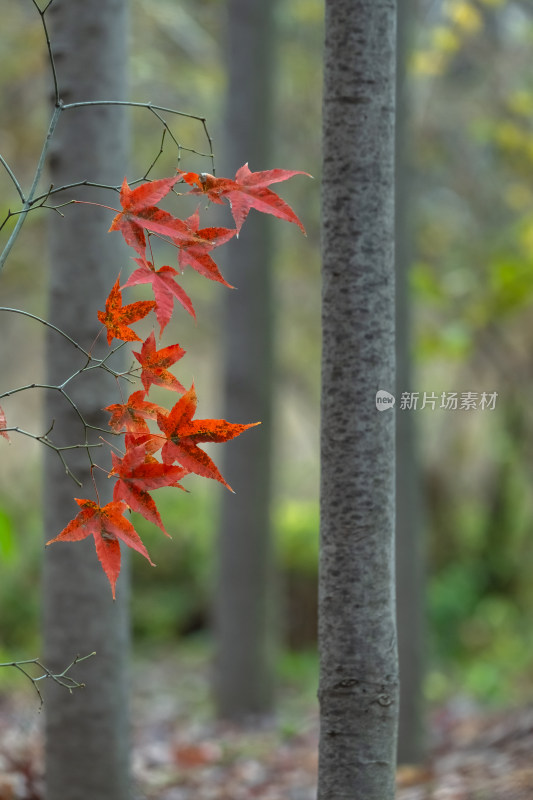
[180,753]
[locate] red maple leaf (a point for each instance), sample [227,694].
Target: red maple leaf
[139,212]
[165,289]
[132,414]
[195,243]
[152,442]
[182,435]
[107,524]
[139,473]
[3,424]
[248,190]
[154,364]
[117,317]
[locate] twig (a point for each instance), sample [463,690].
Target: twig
[11,174]
[61,390]
[49,46]
[59,449]
[92,362]
[56,190]
[31,200]
[38,172]
[158,156]
[154,109]
[61,678]
[48,325]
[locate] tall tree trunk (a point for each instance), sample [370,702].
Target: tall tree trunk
[243,680]
[358,689]
[409,534]
[86,732]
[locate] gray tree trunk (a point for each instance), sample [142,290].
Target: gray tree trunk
[243,671]
[409,533]
[87,732]
[358,689]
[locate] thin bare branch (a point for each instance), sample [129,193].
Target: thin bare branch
[42,13]
[43,438]
[86,425]
[6,219]
[11,174]
[56,190]
[92,362]
[48,325]
[32,201]
[158,156]
[38,172]
[154,109]
[61,678]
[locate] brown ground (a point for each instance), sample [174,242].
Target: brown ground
[179,753]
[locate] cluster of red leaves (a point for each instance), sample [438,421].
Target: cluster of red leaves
[138,472]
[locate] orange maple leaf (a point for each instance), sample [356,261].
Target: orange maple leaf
[152,442]
[117,317]
[195,243]
[107,524]
[182,435]
[165,288]
[248,190]
[139,212]
[154,364]
[132,414]
[139,473]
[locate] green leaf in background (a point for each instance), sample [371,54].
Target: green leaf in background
[8,547]
[297,524]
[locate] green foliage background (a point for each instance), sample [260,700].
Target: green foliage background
[471,191]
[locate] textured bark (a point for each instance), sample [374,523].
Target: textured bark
[86,732]
[409,533]
[358,689]
[243,679]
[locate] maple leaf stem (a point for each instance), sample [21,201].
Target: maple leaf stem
[90,203]
[103,469]
[93,465]
[62,678]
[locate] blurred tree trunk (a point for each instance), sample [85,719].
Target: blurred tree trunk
[358,689]
[87,741]
[243,679]
[409,534]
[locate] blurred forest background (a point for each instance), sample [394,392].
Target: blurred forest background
[469,95]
